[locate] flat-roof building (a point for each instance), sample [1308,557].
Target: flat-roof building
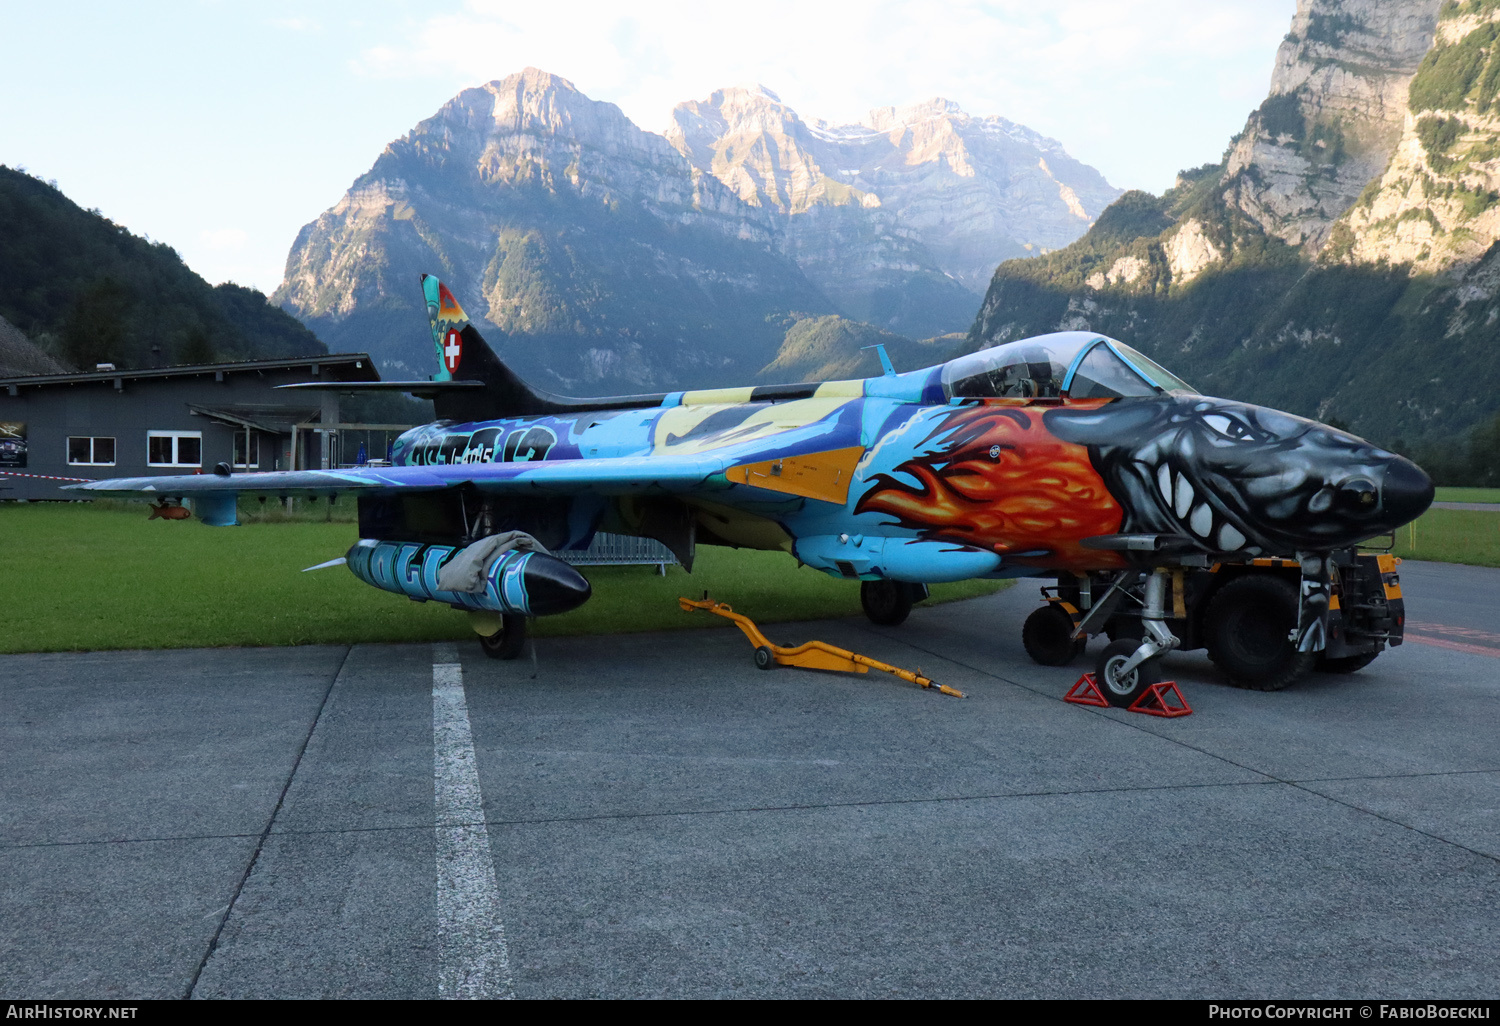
[172,420]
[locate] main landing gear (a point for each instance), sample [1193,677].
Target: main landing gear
[1056,634]
[506,637]
[889,603]
[1265,622]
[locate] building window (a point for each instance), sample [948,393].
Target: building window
[239,450]
[91,452]
[174,448]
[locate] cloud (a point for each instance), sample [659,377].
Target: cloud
[296,24]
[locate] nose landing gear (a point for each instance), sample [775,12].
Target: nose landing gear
[1127,667]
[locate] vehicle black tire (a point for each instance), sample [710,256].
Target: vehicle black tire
[1247,626]
[764,658]
[1344,664]
[887,603]
[1047,635]
[1123,689]
[508,641]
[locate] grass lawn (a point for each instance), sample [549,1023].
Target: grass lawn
[1448,494]
[82,577]
[1452,536]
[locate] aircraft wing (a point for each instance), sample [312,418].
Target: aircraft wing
[615,476]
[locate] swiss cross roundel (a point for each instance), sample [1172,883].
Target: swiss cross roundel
[453,350]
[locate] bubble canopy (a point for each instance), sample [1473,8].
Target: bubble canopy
[1076,364]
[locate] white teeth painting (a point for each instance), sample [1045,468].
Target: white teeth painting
[1202,521]
[1184,496]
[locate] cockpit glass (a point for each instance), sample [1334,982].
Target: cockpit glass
[1158,374]
[1028,369]
[1103,375]
[1035,368]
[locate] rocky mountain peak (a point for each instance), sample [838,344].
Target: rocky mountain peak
[894,119]
[969,191]
[624,254]
[536,104]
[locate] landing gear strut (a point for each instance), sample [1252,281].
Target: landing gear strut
[1127,667]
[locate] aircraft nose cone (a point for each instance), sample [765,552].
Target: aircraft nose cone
[1405,493]
[553,586]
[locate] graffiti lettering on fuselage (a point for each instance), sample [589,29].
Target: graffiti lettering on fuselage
[502,444]
[412,568]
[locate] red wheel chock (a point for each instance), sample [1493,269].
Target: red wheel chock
[1153,701]
[1085,692]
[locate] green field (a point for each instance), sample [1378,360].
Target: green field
[1452,536]
[81,577]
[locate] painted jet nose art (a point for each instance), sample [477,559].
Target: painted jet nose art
[1222,477]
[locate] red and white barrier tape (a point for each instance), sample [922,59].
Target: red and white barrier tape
[43,477]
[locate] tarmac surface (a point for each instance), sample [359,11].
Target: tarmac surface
[651,816]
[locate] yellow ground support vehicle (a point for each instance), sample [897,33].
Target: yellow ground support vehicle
[1245,614]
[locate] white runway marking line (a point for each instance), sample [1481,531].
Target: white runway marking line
[472,958]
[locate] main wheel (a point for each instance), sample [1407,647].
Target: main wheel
[1121,688]
[507,642]
[765,659]
[1249,625]
[1048,636]
[1344,664]
[887,603]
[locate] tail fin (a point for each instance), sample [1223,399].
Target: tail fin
[462,354]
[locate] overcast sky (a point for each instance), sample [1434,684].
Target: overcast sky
[222,127]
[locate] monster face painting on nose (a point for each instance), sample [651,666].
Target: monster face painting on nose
[1229,477]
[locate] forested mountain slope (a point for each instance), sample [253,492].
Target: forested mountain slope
[86,290]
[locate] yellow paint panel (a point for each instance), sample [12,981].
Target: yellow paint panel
[840,390]
[817,475]
[743,529]
[760,421]
[709,396]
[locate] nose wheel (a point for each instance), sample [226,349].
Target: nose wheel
[1120,686]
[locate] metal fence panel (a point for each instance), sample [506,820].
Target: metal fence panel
[620,549]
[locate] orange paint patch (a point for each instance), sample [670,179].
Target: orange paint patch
[448,308]
[1003,482]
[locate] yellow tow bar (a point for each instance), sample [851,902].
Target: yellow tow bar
[815,655]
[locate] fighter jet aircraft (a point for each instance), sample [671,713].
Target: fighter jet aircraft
[1068,455]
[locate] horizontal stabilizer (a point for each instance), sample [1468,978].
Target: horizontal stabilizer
[425,389]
